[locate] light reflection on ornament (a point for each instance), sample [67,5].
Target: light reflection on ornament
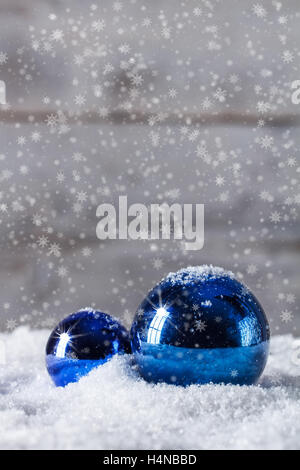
[156,325]
[64,338]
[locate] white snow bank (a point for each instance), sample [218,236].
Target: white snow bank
[113,409]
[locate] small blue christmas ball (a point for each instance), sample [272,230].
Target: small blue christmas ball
[81,342]
[200,325]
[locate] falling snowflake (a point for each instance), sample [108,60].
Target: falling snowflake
[200,325]
[259,10]
[3,58]
[286,316]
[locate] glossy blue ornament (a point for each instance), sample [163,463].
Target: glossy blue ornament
[81,342]
[200,325]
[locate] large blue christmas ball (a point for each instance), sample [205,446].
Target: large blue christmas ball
[200,325]
[81,342]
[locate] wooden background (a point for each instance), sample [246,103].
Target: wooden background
[121,155]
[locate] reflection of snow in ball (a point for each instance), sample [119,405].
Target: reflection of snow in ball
[200,325]
[82,341]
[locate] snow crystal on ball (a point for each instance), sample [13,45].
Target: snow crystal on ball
[195,273]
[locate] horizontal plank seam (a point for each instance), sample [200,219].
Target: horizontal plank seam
[122,117]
